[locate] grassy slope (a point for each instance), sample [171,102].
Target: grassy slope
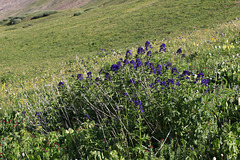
[118,24]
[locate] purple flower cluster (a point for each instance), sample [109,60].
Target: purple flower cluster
[163,48]
[147,44]
[138,104]
[155,77]
[140,50]
[179,51]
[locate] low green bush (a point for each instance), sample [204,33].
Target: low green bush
[27,25]
[43,14]
[14,21]
[78,13]
[9,29]
[5,19]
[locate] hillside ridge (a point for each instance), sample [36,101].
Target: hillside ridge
[17,7]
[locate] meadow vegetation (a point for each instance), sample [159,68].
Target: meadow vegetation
[171,98]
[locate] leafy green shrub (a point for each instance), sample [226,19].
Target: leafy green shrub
[43,14]
[27,25]
[88,9]
[78,13]
[141,97]
[14,21]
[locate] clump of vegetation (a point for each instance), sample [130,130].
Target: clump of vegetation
[78,13]
[5,19]
[27,25]
[11,28]
[43,14]
[15,20]
[88,9]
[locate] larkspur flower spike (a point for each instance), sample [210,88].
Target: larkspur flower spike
[61,84]
[163,48]
[179,51]
[140,50]
[147,44]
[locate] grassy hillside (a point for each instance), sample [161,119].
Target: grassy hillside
[173,97]
[188,110]
[14,8]
[116,25]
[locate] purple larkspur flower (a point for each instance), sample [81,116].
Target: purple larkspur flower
[38,113]
[178,83]
[163,47]
[133,63]
[107,77]
[200,75]
[132,81]
[86,116]
[168,65]
[205,82]
[61,84]
[80,77]
[149,53]
[119,64]
[126,61]
[179,51]
[97,79]
[138,104]
[129,52]
[125,94]
[147,44]
[102,71]
[163,83]
[139,63]
[174,70]
[170,81]
[186,72]
[147,63]
[140,50]
[89,74]
[115,67]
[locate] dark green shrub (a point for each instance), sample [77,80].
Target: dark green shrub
[5,20]
[78,13]
[14,21]
[43,14]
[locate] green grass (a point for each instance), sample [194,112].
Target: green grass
[182,123]
[118,24]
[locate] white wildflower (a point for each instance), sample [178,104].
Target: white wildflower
[210,54]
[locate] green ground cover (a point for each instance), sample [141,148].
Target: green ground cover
[179,101]
[115,25]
